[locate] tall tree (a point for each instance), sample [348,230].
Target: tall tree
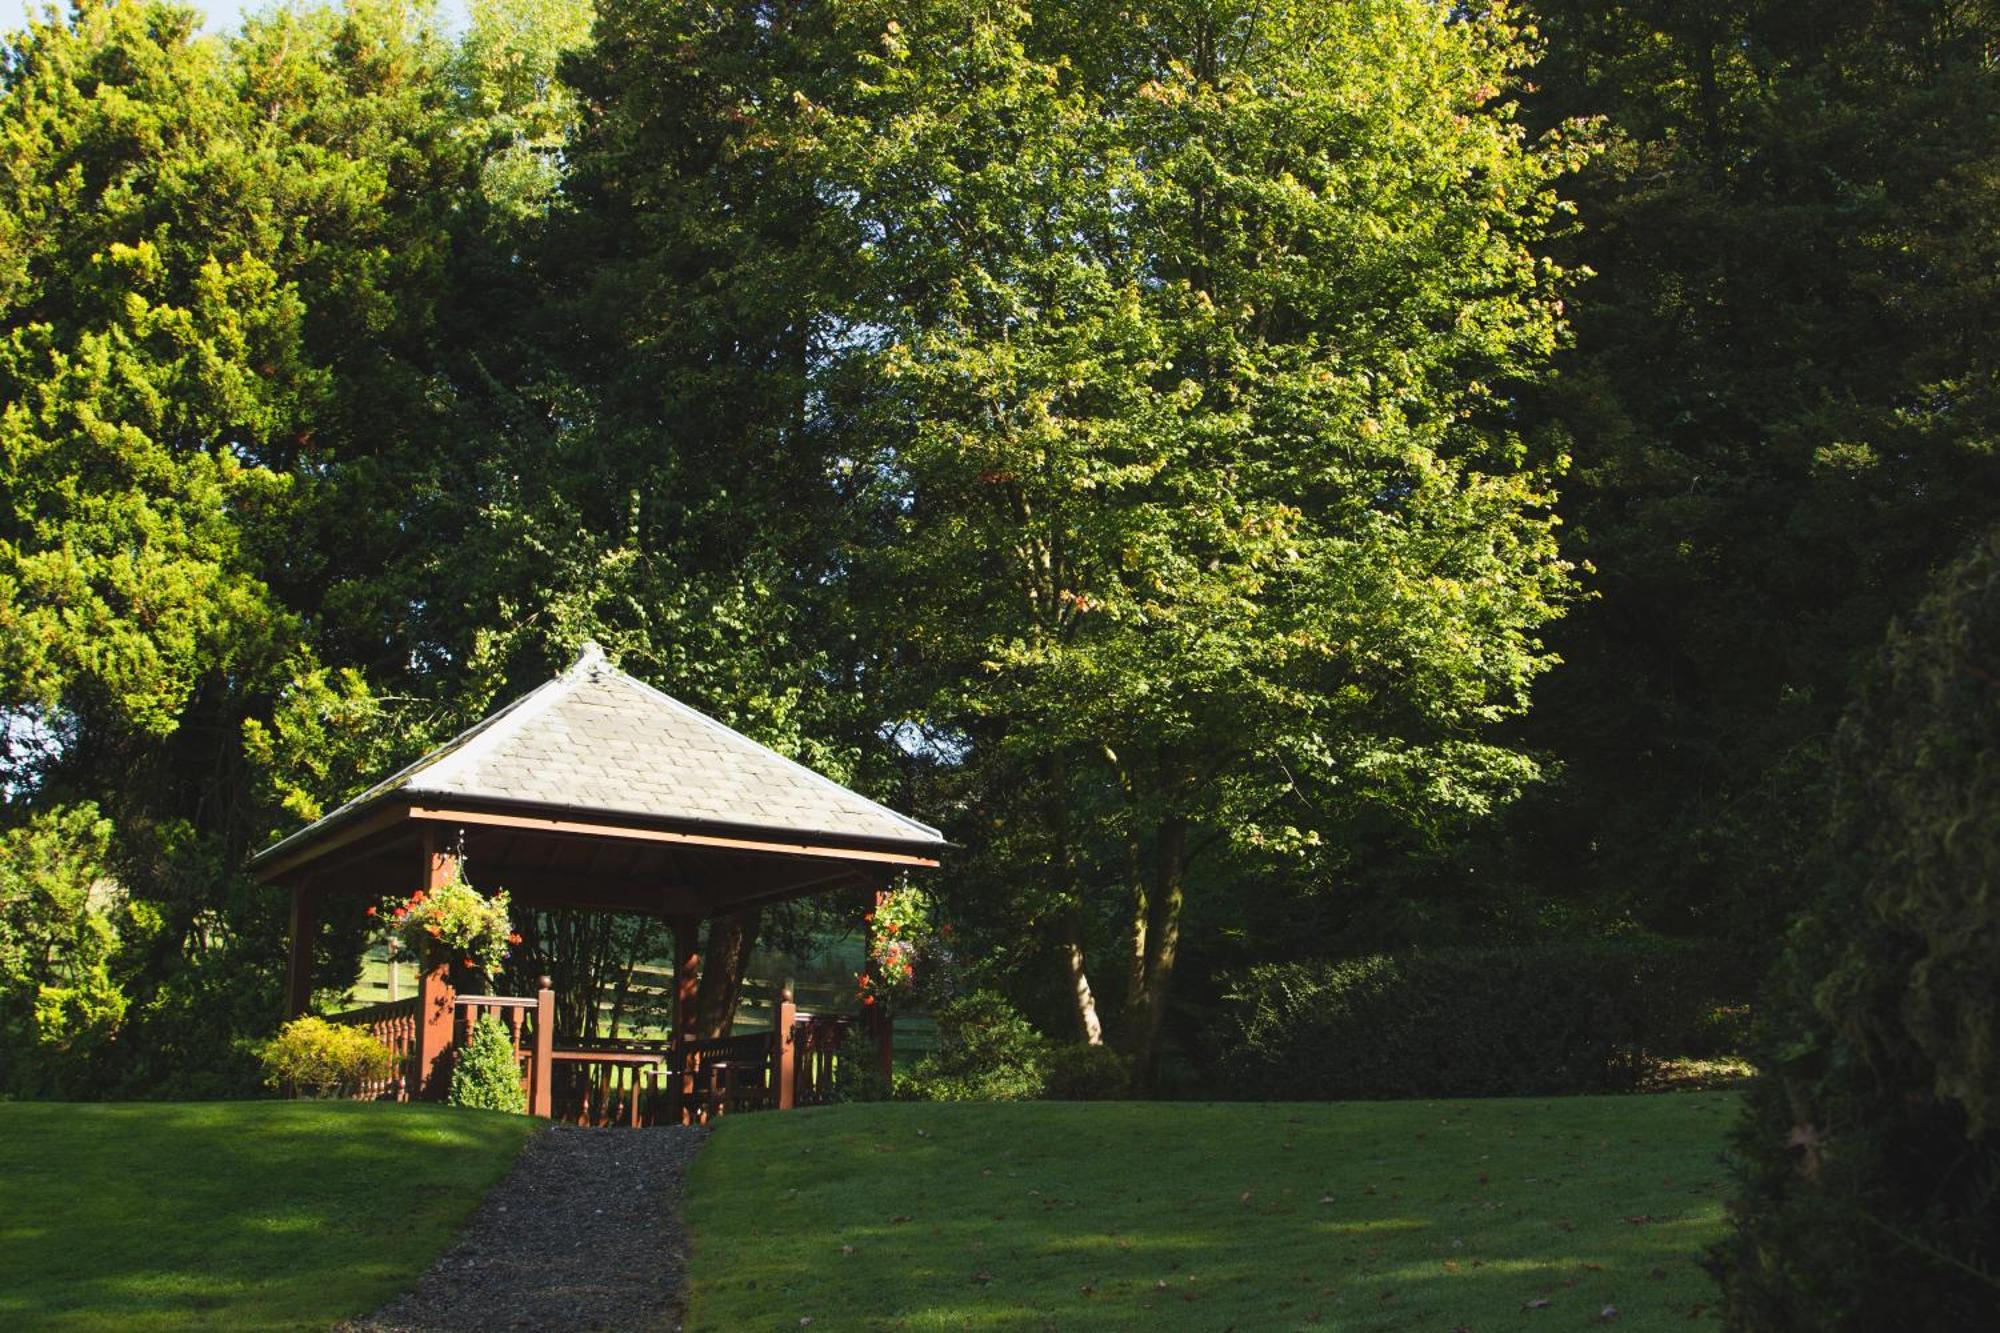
[1783,412]
[1182,358]
[225,402]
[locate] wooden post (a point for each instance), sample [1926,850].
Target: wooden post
[430,1052]
[687,994]
[541,1068]
[299,963]
[784,1052]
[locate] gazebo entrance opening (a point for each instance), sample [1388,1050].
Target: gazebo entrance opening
[598,792]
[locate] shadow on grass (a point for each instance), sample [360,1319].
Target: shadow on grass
[249,1214]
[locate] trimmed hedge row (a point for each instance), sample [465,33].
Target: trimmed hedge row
[1528,1020]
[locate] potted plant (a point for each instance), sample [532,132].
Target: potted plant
[454,923]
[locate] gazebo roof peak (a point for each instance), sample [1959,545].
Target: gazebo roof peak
[599,745]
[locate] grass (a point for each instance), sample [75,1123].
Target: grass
[1357,1216]
[231,1214]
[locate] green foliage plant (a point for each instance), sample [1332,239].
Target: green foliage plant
[986,1052]
[323,1059]
[1082,1072]
[485,1073]
[1569,1017]
[1870,1150]
[60,943]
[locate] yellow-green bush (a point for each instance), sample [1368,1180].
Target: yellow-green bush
[323,1059]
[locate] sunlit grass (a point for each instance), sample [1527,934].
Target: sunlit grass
[1376,1216]
[231,1214]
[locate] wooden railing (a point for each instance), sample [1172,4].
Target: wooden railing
[598,1081]
[394,1024]
[818,1045]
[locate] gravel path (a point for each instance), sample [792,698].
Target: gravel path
[584,1233]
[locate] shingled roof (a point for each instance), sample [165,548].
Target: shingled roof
[596,743]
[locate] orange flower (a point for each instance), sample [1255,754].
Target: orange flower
[514,938]
[868,999]
[417,897]
[435,930]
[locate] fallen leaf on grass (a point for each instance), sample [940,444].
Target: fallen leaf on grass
[1607,1314]
[1538,1303]
[847,1249]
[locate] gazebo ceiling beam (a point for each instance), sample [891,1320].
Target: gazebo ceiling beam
[686,838]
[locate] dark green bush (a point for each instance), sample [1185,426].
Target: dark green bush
[1079,1072]
[1870,1149]
[1536,1019]
[986,1052]
[486,1074]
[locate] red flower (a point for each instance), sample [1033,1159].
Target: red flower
[417,897]
[470,963]
[371,911]
[892,927]
[868,999]
[402,912]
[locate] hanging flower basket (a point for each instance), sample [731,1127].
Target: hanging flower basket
[902,935]
[453,922]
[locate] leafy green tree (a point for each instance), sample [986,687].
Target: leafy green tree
[1781,404]
[1181,358]
[59,937]
[227,404]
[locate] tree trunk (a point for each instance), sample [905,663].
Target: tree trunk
[730,940]
[1069,916]
[1170,870]
[1142,911]
[1070,923]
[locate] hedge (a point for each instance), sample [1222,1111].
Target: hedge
[1528,1020]
[1869,1151]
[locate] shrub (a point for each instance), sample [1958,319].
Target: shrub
[486,1074]
[1529,1020]
[323,1059]
[1080,1072]
[986,1052]
[1869,1152]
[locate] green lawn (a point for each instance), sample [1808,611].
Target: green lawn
[231,1214]
[1389,1215]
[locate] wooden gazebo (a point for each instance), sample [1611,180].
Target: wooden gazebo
[597,791]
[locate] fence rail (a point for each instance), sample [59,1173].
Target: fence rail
[394,1024]
[613,1081]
